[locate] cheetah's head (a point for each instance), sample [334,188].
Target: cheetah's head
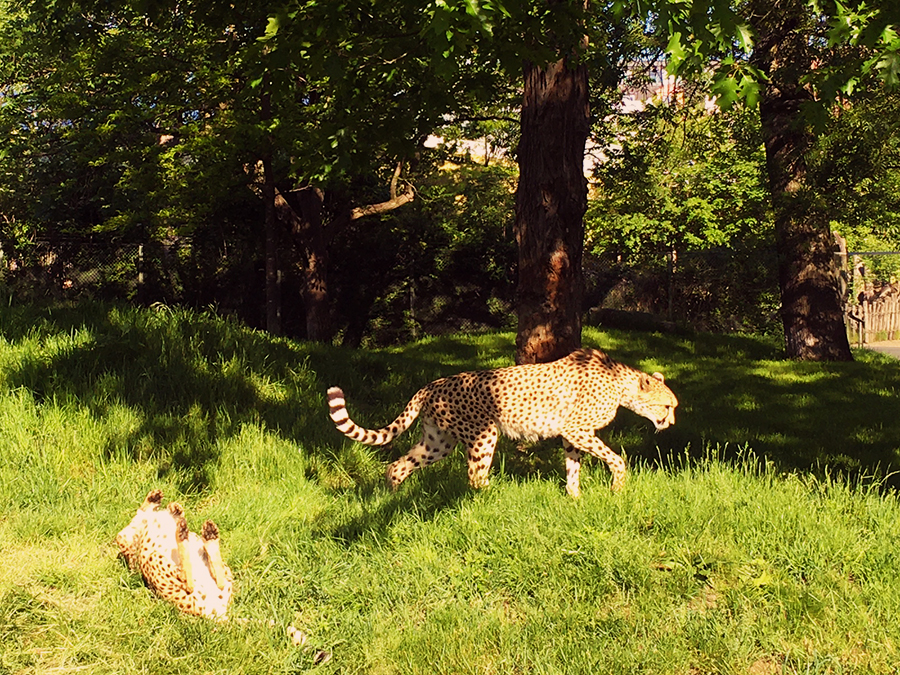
[650,397]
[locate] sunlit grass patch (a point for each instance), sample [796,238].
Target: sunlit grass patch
[757,535]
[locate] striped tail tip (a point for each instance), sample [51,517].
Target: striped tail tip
[337,410]
[336,399]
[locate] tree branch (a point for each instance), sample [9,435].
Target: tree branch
[487,118]
[289,216]
[396,201]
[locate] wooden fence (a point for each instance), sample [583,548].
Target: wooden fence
[876,315]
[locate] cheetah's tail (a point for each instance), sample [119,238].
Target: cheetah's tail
[337,409]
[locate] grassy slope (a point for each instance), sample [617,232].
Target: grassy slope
[715,559]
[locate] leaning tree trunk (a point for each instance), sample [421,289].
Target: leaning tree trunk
[551,199]
[811,308]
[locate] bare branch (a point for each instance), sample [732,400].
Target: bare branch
[394,179]
[383,207]
[396,201]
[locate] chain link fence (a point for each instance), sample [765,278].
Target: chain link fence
[179,272]
[717,290]
[68,270]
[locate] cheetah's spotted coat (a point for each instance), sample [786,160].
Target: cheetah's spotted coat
[572,397]
[179,566]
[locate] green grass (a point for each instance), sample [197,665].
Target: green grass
[758,535]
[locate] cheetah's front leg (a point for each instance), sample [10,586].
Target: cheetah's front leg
[210,537]
[587,441]
[480,453]
[573,470]
[181,541]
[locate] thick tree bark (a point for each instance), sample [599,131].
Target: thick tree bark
[811,308]
[551,199]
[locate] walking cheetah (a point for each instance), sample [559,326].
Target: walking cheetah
[572,397]
[179,566]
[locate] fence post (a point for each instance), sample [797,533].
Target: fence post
[860,326]
[671,259]
[843,268]
[893,317]
[863,310]
[140,272]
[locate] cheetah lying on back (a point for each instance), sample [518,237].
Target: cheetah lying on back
[179,566]
[572,397]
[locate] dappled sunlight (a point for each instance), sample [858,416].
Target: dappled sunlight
[173,388]
[800,415]
[165,385]
[709,541]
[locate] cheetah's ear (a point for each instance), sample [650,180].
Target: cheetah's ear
[659,376]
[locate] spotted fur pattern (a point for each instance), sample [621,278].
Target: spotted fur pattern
[572,398]
[176,564]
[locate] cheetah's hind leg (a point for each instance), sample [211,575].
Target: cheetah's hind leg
[210,536]
[181,539]
[480,453]
[152,501]
[434,445]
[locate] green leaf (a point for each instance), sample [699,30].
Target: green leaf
[745,38]
[272,27]
[675,49]
[889,69]
[726,91]
[750,90]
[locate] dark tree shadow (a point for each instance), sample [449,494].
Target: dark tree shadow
[739,393]
[191,380]
[442,488]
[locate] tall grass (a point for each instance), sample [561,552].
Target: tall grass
[758,535]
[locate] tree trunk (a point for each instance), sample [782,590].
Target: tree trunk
[551,199]
[273,270]
[303,216]
[811,308]
[302,211]
[314,235]
[314,243]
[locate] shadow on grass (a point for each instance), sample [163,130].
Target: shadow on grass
[738,392]
[423,497]
[188,381]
